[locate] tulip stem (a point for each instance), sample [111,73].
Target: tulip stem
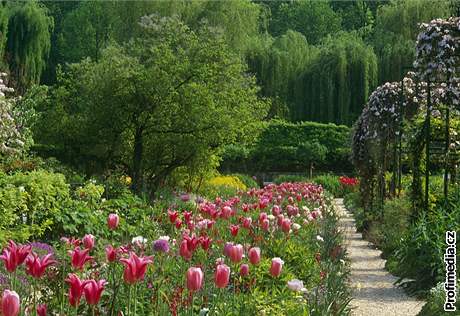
[129,300]
[34,283]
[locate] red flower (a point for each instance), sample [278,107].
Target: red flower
[254,255]
[236,253]
[194,279]
[244,270]
[205,242]
[79,258]
[10,303]
[41,310]
[187,216]
[184,251]
[222,276]
[172,216]
[110,253]
[88,241]
[135,267]
[93,290]
[36,267]
[14,255]
[112,221]
[75,290]
[234,230]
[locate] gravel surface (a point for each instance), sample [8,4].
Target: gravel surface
[373,291]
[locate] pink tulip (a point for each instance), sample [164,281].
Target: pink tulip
[184,252]
[280,219]
[110,253]
[276,267]
[244,270]
[10,303]
[135,267]
[227,248]
[194,279]
[112,221]
[36,267]
[222,276]
[254,255]
[265,224]
[234,230]
[247,222]
[79,258]
[88,241]
[93,290]
[75,290]
[276,210]
[41,310]
[14,255]
[236,253]
[286,225]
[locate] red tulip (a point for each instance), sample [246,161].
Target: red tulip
[194,279]
[36,267]
[262,216]
[265,224]
[205,243]
[227,248]
[112,221]
[41,310]
[234,230]
[222,276]
[280,219]
[187,216]
[192,242]
[286,225]
[79,258]
[178,223]
[14,255]
[276,210]
[110,253]
[10,303]
[254,255]
[276,267]
[236,253]
[93,290]
[75,290]
[184,252]
[172,216]
[244,269]
[88,241]
[135,267]
[247,222]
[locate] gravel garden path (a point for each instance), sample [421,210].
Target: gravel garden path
[373,291]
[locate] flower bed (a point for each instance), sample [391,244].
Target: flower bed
[270,251]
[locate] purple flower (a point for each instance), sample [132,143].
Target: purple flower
[161,245]
[39,246]
[185,197]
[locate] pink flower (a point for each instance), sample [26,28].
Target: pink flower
[205,242]
[135,267]
[244,269]
[222,276]
[110,253]
[286,225]
[254,255]
[234,230]
[93,290]
[79,258]
[247,222]
[41,310]
[36,267]
[194,279]
[75,290]
[276,210]
[265,224]
[14,255]
[88,241]
[276,267]
[112,221]
[172,216]
[184,252]
[236,253]
[227,248]
[10,303]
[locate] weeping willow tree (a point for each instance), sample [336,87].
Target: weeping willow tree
[28,42]
[396,29]
[277,63]
[336,83]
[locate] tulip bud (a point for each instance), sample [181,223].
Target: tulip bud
[244,270]
[88,241]
[254,255]
[194,279]
[10,303]
[236,253]
[222,276]
[112,221]
[276,267]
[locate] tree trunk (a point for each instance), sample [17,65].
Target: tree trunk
[137,160]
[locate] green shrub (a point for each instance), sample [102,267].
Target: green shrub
[396,222]
[330,183]
[435,301]
[290,178]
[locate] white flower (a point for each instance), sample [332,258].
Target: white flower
[319,238]
[139,239]
[295,226]
[295,285]
[271,217]
[164,238]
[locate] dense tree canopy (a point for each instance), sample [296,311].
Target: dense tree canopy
[164,100]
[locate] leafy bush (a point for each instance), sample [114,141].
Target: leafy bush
[435,301]
[290,178]
[330,183]
[222,185]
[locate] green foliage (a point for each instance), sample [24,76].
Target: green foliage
[330,183]
[249,182]
[435,301]
[290,178]
[284,146]
[28,42]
